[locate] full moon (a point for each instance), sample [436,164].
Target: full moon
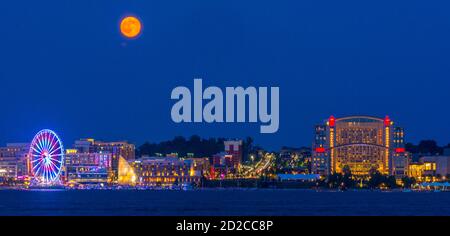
[130,27]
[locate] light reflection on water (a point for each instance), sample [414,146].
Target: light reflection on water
[233,202]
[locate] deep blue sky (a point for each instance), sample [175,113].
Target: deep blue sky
[65,66]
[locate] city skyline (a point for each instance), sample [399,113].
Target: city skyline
[268,147]
[345,149]
[86,80]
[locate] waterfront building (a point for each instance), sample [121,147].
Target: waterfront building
[222,159]
[221,165]
[87,168]
[235,149]
[200,166]
[415,170]
[320,160]
[430,168]
[400,158]
[361,143]
[117,149]
[164,171]
[14,160]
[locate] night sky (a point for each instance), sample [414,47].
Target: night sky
[65,66]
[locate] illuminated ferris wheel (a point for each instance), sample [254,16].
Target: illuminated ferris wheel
[46,157]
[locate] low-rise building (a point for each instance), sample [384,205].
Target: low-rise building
[199,165]
[430,168]
[164,171]
[235,149]
[14,160]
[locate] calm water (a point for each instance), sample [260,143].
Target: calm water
[222,202]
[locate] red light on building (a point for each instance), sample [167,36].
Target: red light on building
[400,150]
[212,173]
[320,149]
[387,121]
[331,121]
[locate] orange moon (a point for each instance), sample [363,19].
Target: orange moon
[130,27]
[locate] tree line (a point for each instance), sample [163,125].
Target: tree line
[196,145]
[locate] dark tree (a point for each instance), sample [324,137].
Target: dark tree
[429,146]
[424,147]
[196,145]
[390,182]
[247,148]
[408,182]
[375,179]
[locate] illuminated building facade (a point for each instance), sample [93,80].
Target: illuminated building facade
[221,165]
[430,168]
[400,158]
[361,143]
[13,160]
[234,148]
[117,149]
[199,165]
[320,160]
[415,170]
[87,168]
[164,171]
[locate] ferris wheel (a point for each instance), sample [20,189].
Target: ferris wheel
[46,157]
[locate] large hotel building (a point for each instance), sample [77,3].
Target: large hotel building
[361,143]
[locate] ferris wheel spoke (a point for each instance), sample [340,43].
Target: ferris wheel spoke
[36,144]
[49,172]
[53,143]
[36,172]
[33,161]
[47,141]
[34,149]
[42,140]
[54,172]
[51,146]
[51,153]
[44,143]
[45,175]
[39,163]
[41,144]
[52,165]
[50,143]
[53,159]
